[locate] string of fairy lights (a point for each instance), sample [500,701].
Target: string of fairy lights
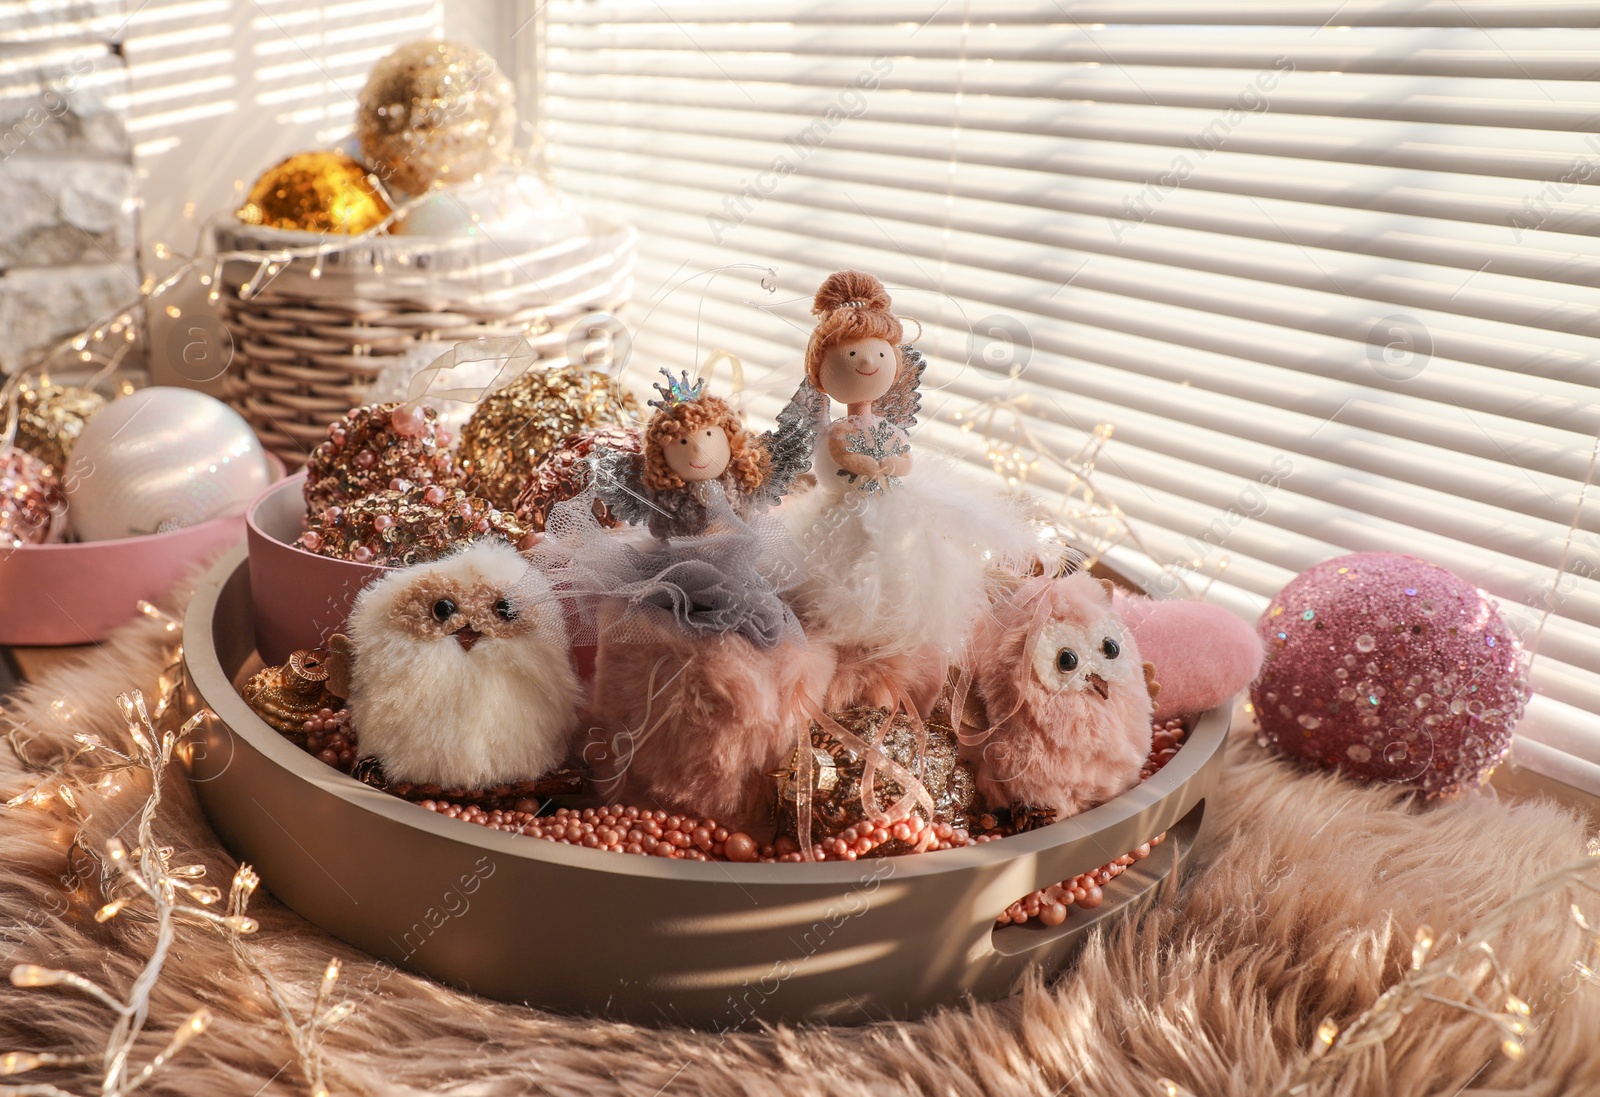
[145,881]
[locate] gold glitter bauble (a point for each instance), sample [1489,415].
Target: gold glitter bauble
[435,112]
[514,428]
[50,418]
[316,192]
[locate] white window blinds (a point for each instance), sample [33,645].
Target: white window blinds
[1328,269]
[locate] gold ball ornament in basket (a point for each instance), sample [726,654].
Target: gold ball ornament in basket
[436,113]
[514,428]
[324,191]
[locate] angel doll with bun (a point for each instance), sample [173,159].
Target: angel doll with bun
[898,549]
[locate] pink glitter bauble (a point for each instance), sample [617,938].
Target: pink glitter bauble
[31,502]
[1390,669]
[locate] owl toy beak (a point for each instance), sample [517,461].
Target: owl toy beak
[466,636]
[1098,684]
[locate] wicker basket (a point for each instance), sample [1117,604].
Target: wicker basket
[306,348]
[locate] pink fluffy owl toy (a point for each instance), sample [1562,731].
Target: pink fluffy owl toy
[1067,701]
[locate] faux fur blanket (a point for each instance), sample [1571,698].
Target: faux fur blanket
[1305,907]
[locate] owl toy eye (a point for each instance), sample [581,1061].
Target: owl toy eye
[443,610]
[1066,660]
[1111,648]
[505,610]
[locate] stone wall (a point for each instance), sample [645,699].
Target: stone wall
[68,197]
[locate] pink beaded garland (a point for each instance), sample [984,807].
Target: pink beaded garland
[1390,669]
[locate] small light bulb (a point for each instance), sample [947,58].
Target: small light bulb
[19,1062]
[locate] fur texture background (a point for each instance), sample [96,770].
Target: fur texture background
[1306,905]
[656,690]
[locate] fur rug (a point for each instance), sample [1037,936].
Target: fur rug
[1306,907]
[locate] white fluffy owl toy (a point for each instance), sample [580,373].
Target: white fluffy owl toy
[461,676]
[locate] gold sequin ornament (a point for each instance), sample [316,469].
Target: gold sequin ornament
[50,418]
[837,772]
[435,113]
[287,696]
[514,428]
[316,192]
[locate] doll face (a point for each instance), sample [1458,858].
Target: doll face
[858,372]
[699,455]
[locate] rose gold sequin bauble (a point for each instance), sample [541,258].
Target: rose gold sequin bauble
[514,428]
[435,112]
[1389,668]
[376,447]
[399,528]
[50,418]
[32,507]
[564,474]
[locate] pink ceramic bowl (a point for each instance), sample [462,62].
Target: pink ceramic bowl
[300,598]
[76,593]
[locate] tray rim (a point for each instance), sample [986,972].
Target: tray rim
[214,686]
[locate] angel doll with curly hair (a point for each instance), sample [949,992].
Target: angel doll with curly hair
[701,667]
[697,447]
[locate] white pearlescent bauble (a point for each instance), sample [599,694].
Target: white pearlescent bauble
[162,459]
[513,209]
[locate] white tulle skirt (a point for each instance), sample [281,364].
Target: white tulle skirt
[902,569]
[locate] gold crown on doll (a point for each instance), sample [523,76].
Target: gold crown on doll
[678,390]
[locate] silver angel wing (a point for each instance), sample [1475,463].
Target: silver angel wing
[790,444]
[904,399]
[619,484]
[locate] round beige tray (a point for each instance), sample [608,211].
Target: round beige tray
[713,945]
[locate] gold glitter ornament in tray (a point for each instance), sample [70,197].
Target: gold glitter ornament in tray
[837,774]
[515,427]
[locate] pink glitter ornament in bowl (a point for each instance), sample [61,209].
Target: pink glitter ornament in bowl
[1390,668]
